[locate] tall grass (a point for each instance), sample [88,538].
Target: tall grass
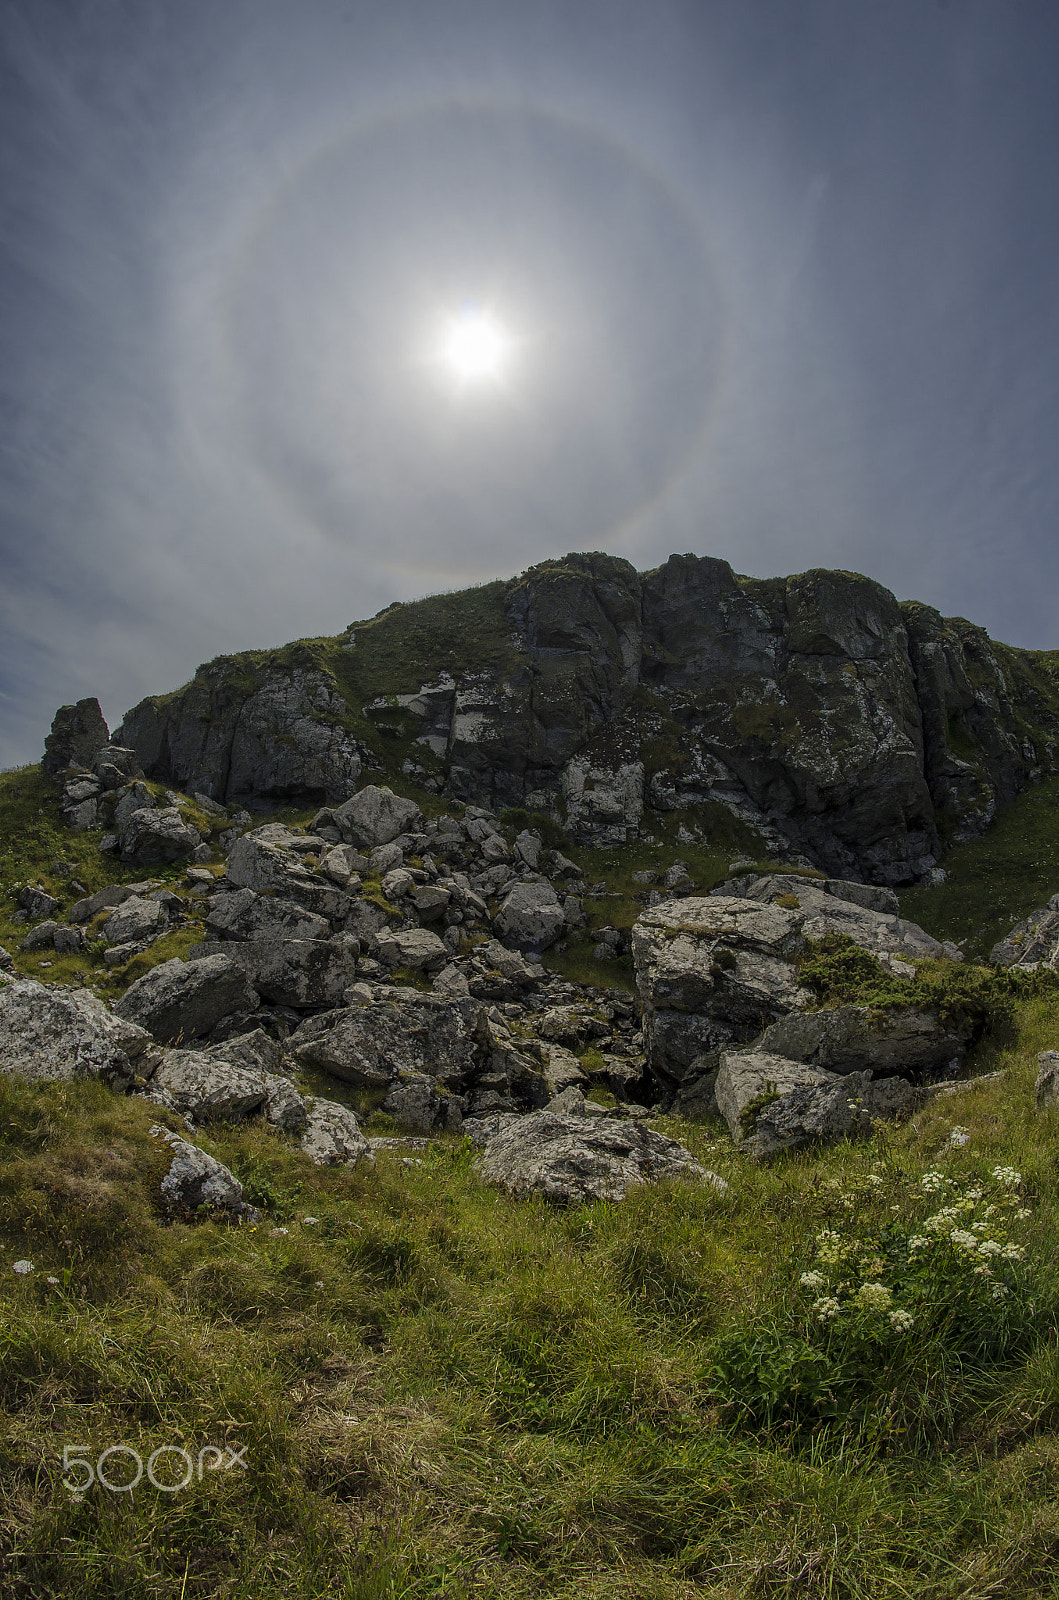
[439,1390]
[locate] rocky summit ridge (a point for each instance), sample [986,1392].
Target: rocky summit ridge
[849,729]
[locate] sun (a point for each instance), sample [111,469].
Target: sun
[474,348]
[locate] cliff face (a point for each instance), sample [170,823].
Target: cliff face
[851,728]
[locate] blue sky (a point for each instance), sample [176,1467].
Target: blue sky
[778,279]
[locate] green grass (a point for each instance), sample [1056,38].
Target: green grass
[997,879]
[442,1391]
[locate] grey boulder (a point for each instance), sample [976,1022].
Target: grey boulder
[149,836]
[373,816]
[265,861]
[1046,1089]
[77,732]
[196,1179]
[136,920]
[418,1106]
[245,914]
[531,916]
[859,1039]
[58,1035]
[573,1159]
[295,972]
[772,1104]
[1031,942]
[712,972]
[209,1088]
[186,999]
[370,1043]
[37,902]
[332,1136]
[416,948]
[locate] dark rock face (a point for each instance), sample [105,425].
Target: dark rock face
[840,723]
[77,733]
[231,739]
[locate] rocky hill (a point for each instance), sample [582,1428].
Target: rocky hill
[849,729]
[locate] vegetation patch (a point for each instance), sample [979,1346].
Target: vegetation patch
[997,879]
[969,998]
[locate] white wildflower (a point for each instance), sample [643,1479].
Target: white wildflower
[826,1308]
[1013,1252]
[874,1178]
[979,1227]
[874,1297]
[963,1240]
[310,1222]
[989,1247]
[812,1280]
[901,1321]
[1007,1176]
[1022,1213]
[917,1242]
[932,1181]
[999,1292]
[22,1267]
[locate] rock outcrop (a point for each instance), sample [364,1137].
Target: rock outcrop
[842,725]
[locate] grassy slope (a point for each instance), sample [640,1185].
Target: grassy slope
[444,1391]
[440,1390]
[997,880]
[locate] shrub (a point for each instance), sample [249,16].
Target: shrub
[883,1311]
[969,998]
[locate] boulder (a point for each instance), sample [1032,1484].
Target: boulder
[341,862]
[208,1088]
[710,973]
[37,903]
[867,914]
[1046,1089]
[42,937]
[332,1136]
[370,1043]
[246,914]
[1033,941]
[181,1000]
[263,861]
[417,1106]
[147,836]
[55,1035]
[196,1179]
[295,972]
[772,1104]
[574,1159]
[530,916]
[416,948]
[115,764]
[115,894]
[374,816]
[136,920]
[77,732]
[562,1069]
[858,1039]
[431,901]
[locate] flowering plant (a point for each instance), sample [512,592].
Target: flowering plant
[888,1305]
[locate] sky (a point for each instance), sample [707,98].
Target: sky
[771,280]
